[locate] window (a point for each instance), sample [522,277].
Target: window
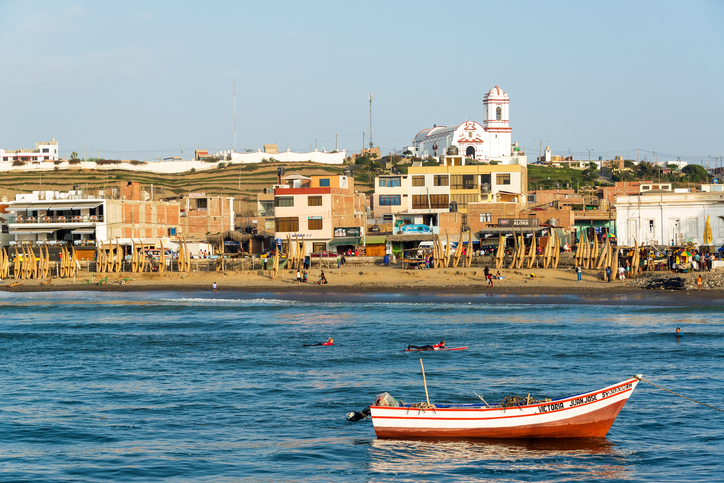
[314,223]
[498,113]
[314,201]
[484,217]
[269,224]
[287,224]
[389,182]
[266,208]
[319,247]
[441,180]
[201,203]
[284,201]
[46,150]
[502,178]
[324,182]
[390,200]
[462,182]
[436,202]
[651,227]
[418,181]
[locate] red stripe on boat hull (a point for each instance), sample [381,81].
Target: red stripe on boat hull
[591,425]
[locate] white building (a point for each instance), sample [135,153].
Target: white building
[287,156]
[42,152]
[489,141]
[661,218]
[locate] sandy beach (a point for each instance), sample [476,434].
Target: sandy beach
[375,279]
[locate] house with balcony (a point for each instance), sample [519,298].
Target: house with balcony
[325,211]
[82,219]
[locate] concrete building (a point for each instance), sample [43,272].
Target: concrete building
[324,210]
[202,215]
[83,219]
[665,217]
[486,142]
[426,192]
[43,152]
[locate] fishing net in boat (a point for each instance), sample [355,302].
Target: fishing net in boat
[514,401]
[385,399]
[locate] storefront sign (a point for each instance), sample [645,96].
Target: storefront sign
[518,222]
[347,232]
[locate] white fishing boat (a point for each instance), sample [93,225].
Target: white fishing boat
[585,415]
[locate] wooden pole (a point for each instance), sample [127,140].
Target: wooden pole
[424,381]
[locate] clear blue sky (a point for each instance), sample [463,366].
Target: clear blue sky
[139,79]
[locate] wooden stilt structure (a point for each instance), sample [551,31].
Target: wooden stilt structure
[556,255]
[446,257]
[500,252]
[469,252]
[275,265]
[532,252]
[635,260]
[458,250]
[521,251]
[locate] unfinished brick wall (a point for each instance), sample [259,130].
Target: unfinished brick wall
[130,191]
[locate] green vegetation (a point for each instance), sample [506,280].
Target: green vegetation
[226,179]
[545,178]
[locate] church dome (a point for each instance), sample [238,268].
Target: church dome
[496,91]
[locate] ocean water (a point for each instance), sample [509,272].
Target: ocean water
[179,386]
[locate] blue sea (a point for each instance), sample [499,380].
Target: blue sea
[184,386]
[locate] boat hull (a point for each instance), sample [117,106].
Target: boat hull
[588,415]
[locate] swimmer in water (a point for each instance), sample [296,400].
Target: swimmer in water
[428,347]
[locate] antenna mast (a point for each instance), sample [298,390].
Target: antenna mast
[234,114]
[370,120]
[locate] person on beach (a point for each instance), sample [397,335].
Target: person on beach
[428,347]
[305,277]
[264,261]
[608,273]
[330,341]
[698,283]
[322,279]
[214,286]
[579,271]
[491,284]
[299,276]
[486,272]
[621,273]
[339,260]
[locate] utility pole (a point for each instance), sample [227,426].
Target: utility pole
[370,120]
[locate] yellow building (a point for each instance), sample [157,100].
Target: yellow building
[459,185]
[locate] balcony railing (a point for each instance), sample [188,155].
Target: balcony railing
[59,219]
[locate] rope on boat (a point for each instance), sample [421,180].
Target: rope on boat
[422,405]
[676,394]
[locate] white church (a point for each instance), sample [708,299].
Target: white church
[490,141]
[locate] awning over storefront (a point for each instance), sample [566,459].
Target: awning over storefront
[80,205]
[32,231]
[20,207]
[410,238]
[375,239]
[344,241]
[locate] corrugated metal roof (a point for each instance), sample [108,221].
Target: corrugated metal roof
[375,239]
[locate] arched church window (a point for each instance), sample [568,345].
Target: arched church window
[498,113]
